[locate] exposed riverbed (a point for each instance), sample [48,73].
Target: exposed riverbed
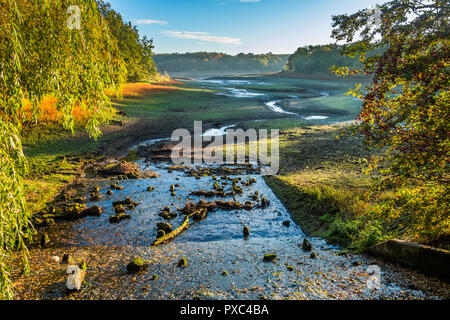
[222,264]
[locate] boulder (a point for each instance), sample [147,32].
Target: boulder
[137,265]
[306,246]
[246,231]
[94,211]
[45,240]
[119,217]
[182,263]
[67,258]
[75,279]
[160,234]
[270,257]
[164,226]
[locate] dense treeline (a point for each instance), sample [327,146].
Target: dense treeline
[212,62]
[405,113]
[319,60]
[136,51]
[74,51]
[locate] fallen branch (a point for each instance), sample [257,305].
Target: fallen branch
[172,235]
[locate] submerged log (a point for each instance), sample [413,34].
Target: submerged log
[172,235]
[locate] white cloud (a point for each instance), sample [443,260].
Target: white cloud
[203,36]
[150,21]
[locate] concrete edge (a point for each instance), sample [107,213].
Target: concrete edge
[429,260]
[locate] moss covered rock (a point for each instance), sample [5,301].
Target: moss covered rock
[306,246]
[164,226]
[270,257]
[45,240]
[160,234]
[137,265]
[67,258]
[119,217]
[182,263]
[246,231]
[94,211]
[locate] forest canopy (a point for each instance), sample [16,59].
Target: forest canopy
[135,50]
[319,59]
[213,62]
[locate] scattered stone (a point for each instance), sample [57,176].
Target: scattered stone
[119,209]
[286,223]
[137,265]
[75,279]
[119,217]
[356,262]
[45,240]
[313,255]
[248,206]
[48,222]
[208,194]
[290,268]
[83,265]
[164,226]
[79,200]
[155,277]
[128,202]
[270,257]
[166,214]
[150,189]
[182,263]
[116,187]
[265,203]
[109,192]
[200,214]
[95,196]
[94,211]
[71,210]
[95,189]
[246,231]
[160,234]
[125,170]
[67,258]
[225,273]
[306,246]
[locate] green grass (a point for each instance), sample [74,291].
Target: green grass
[323,184]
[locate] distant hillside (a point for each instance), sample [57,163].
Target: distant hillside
[319,60]
[212,62]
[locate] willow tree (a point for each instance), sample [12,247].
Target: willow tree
[405,107]
[61,48]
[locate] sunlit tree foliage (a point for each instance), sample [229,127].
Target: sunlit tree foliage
[43,52]
[406,106]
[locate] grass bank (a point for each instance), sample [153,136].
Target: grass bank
[323,184]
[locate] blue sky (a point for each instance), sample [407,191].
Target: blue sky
[234,26]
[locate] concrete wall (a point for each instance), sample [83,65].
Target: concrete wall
[428,260]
